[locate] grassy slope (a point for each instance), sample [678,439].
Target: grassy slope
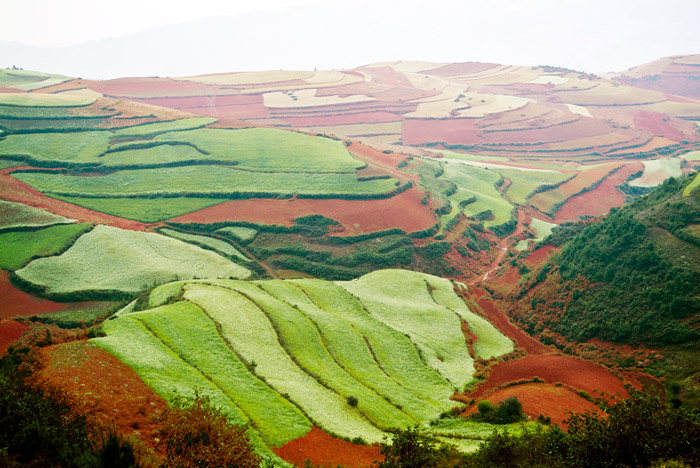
[113,259]
[18,248]
[17,214]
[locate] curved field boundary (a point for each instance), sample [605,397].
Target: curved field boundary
[553,368]
[260,343]
[352,351]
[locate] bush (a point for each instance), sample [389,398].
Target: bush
[197,434]
[411,449]
[353,401]
[507,412]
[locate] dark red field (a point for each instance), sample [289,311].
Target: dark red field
[403,211]
[9,332]
[323,449]
[553,368]
[453,131]
[658,124]
[16,303]
[109,389]
[599,200]
[546,399]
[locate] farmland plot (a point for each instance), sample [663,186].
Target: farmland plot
[283,355]
[108,258]
[14,215]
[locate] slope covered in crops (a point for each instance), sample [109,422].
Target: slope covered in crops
[284,356]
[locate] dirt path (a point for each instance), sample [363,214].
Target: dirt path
[522,217]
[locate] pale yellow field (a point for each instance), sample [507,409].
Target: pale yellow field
[676,109]
[347,79]
[656,171]
[249,78]
[607,139]
[407,66]
[308,98]
[498,103]
[608,93]
[326,76]
[578,110]
[47,100]
[690,60]
[652,68]
[692,156]
[385,128]
[545,79]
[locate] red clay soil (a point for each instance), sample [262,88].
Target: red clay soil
[599,200]
[143,86]
[16,191]
[111,391]
[9,332]
[404,211]
[360,117]
[581,128]
[501,321]
[547,399]
[657,124]
[449,131]
[539,256]
[553,368]
[16,303]
[323,449]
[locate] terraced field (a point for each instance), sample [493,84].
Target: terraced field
[286,355]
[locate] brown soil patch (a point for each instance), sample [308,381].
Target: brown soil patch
[361,117]
[9,332]
[658,124]
[501,321]
[403,211]
[553,368]
[546,399]
[16,303]
[599,200]
[322,449]
[449,131]
[111,391]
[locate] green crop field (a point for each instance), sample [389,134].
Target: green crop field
[80,147]
[20,247]
[45,100]
[692,186]
[146,210]
[203,180]
[524,183]
[240,233]
[108,258]
[164,127]
[217,245]
[475,182]
[16,214]
[270,149]
[155,155]
[404,301]
[284,355]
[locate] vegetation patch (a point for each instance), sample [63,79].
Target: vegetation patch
[111,259]
[19,247]
[16,215]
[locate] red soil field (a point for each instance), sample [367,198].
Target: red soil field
[501,321]
[240,112]
[10,90]
[16,303]
[465,68]
[200,100]
[553,368]
[16,191]
[581,128]
[450,131]
[539,256]
[657,124]
[142,86]
[110,390]
[361,117]
[599,200]
[403,211]
[9,332]
[322,449]
[547,399]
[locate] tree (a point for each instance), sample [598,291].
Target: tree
[411,449]
[197,434]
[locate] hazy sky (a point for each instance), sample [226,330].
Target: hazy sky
[590,35]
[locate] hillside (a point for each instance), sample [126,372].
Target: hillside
[331,255]
[673,75]
[629,279]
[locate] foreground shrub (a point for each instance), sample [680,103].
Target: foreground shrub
[197,434]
